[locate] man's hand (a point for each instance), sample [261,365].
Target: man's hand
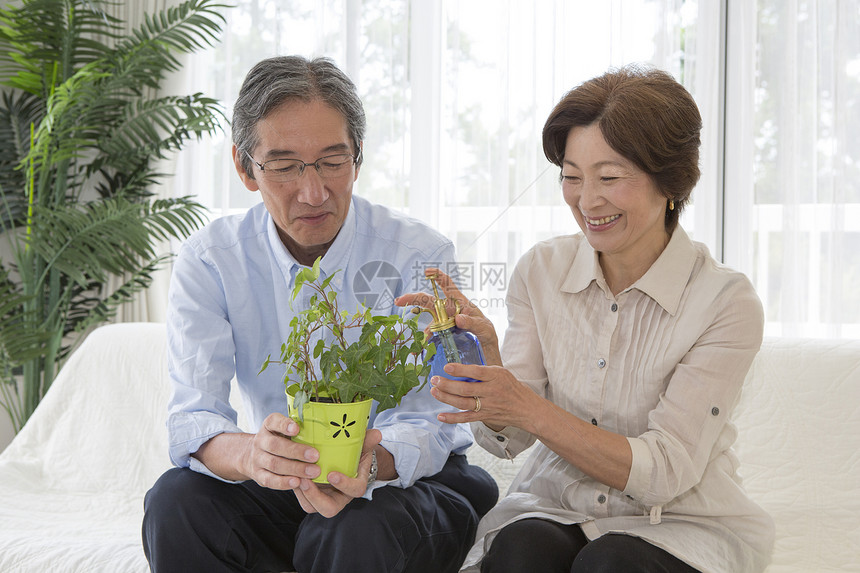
[274,460]
[329,500]
[269,457]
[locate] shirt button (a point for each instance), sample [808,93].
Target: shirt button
[593,421]
[614,307]
[500,438]
[715,411]
[601,363]
[601,498]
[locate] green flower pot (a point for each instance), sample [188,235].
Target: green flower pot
[336,430]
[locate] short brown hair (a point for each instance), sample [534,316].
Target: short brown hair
[644,115]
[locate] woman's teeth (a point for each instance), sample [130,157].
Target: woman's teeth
[602,221]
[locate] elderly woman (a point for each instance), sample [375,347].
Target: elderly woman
[626,350]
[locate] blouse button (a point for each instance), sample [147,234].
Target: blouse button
[593,421]
[601,498]
[614,307]
[601,363]
[715,411]
[500,438]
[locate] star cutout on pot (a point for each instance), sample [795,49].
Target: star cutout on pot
[342,427]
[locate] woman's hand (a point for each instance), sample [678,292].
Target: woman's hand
[505,401]
[469,318]
[498,399]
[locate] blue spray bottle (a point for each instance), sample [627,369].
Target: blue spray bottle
[453,344]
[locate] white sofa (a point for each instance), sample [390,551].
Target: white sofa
[72,482]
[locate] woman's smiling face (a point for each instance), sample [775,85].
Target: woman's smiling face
[616,204]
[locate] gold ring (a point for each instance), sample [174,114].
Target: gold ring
[477,407]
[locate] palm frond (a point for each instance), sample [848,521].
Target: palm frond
[21,338]
[174,218]
[94,109]
[81,115]
[86,312]
[110,236]
[158,126]
[190,26]
[18,111]
[58,138]
[49,39]
[132,181]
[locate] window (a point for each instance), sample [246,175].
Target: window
[456,94]
[793,211]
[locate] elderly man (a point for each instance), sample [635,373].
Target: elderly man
[239,501]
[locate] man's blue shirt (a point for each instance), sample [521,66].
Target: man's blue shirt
[230,307]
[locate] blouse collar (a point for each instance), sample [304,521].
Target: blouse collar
[664,281]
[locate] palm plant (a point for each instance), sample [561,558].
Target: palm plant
[81,132]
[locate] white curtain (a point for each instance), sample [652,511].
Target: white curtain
[793,161]
[456,93]
[150,305]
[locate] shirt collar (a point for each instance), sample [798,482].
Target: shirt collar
[335,258]
[585,268]
[664,281]
[667,278]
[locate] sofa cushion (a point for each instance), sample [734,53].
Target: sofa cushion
[73,479]
[799,445]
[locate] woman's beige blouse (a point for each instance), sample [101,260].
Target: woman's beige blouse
[661,363]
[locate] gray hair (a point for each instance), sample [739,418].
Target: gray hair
[274,81]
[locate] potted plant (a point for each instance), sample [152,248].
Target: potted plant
[337,363]
[83,128]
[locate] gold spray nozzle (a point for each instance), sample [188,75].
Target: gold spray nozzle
[442,320]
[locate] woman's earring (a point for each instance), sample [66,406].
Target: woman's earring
[671,205]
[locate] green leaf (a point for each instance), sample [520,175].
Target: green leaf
[265,364]
[315,269]
[403,354]
[324,285]
[387,320]
[375,365]
[299,400]
[318,349]
[429,353]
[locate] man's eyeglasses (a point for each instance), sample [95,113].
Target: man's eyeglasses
[286,170]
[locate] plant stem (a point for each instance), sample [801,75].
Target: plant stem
[31,178]
[12,400]
[30,386]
